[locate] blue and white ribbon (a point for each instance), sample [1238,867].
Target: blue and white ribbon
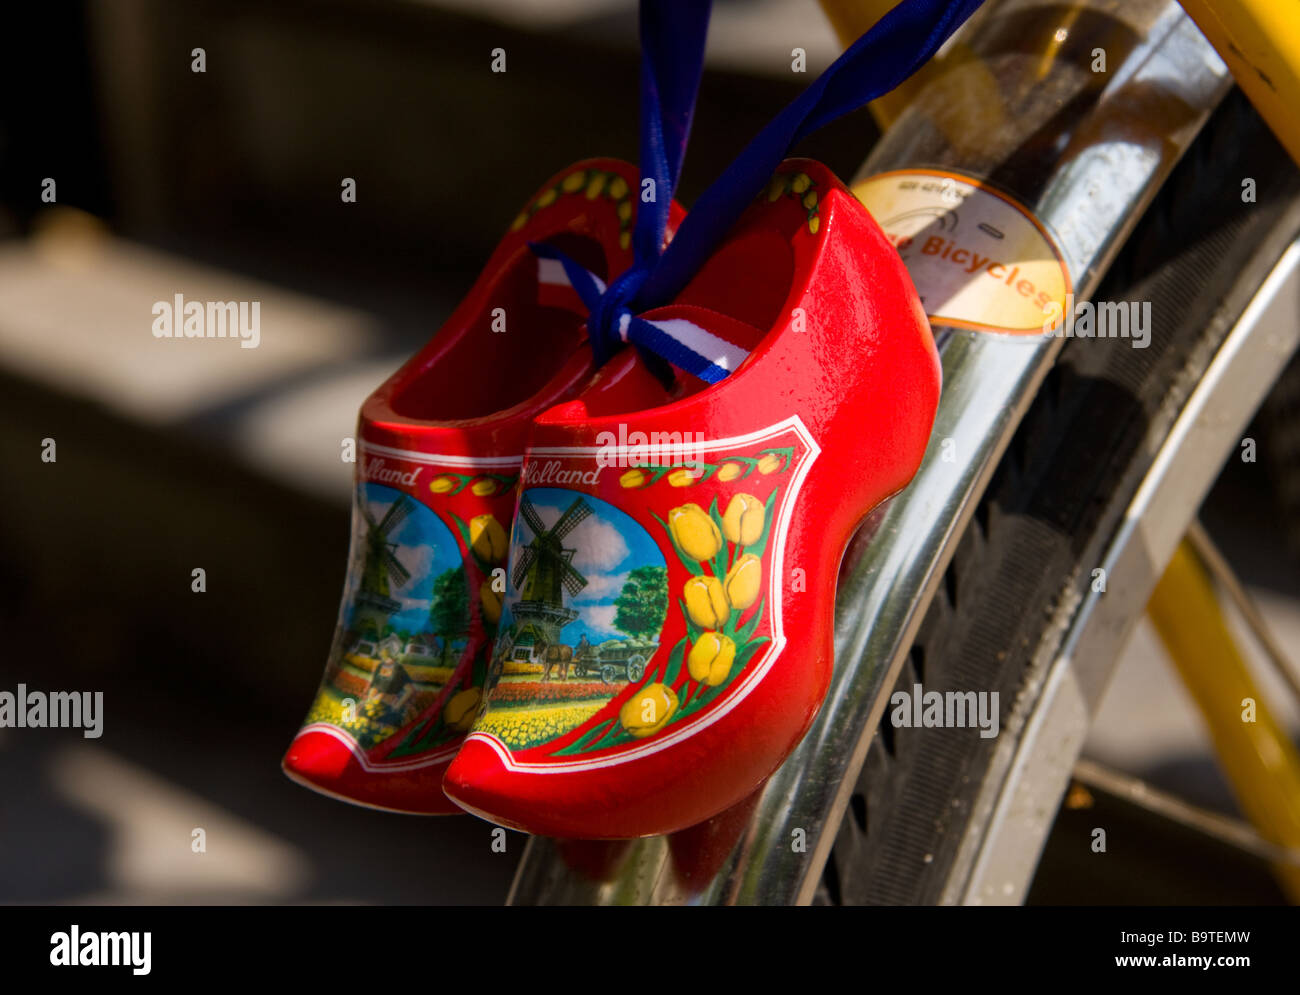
[683,343]
[672,46]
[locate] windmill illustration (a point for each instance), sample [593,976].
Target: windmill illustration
[545,573]
[374,603]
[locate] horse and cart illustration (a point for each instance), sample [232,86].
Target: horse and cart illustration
[612,660]
[544,574]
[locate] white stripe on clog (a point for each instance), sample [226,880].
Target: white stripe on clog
[551,272]
[711,356]
[721,353]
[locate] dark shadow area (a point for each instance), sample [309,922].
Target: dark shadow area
[240,167]
[1147,861]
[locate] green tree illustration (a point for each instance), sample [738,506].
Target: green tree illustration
[642,604]
[449,610]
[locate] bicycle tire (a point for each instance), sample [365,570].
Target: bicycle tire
[1057,499]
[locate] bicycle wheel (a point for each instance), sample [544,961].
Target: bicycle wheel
[939,815]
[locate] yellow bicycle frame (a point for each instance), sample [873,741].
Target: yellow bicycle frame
[1258,39]
[1260,42]
[851,19]
[1256,755]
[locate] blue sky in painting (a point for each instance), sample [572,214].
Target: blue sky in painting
[424,545]
[607,546]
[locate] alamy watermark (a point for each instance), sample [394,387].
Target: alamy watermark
[921,709]
[643,449]
[102,949]
[182,319]
[1103,320]
[25,709]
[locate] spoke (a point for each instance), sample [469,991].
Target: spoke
[1224,828]
[1222,572]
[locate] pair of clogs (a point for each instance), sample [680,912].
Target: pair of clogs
[597,602]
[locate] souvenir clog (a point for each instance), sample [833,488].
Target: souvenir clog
[439,451]
[666,633]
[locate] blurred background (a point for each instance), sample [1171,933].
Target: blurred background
[225,185]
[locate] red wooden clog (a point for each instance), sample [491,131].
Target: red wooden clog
[666,638]
[440,445]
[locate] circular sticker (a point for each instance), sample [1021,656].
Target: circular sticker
[978,258]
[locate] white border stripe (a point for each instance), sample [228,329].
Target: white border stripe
[704,445]
[424,760]
[462,461]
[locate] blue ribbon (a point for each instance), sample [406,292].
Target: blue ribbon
[654,336]
[673,33]
[672,40]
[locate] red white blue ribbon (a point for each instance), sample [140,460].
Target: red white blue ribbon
[672,45]
[683,343]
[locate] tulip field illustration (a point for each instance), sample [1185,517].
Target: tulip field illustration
[411,650]
[723,553]
[589,598]
[403,619]
[579,664]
